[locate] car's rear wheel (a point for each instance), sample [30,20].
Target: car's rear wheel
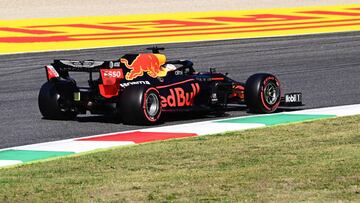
[53,105]
[140,105]
[262,93]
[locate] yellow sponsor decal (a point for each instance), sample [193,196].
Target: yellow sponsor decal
[17,36]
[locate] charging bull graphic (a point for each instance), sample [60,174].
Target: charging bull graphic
[149,63]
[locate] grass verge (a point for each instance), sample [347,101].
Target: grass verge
[311,161]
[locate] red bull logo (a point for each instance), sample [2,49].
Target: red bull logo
[149,63]
[178,97]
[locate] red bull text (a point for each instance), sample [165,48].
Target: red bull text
[178,97]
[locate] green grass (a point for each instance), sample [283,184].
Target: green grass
[312,161]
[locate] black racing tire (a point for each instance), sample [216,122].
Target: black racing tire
[140,105]
[49,101]
[262,93]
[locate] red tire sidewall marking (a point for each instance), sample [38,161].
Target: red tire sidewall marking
[263,85]
[156,118]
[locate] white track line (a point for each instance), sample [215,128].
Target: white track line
[9,162]
[72,146]
[204,128]
[347,110]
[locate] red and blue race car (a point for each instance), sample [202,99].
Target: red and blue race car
[142,88]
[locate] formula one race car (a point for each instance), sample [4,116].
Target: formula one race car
[140,88]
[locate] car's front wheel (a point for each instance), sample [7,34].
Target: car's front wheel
[262,93]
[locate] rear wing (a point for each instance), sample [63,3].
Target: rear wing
[110,74]
[62,67]
[83,66]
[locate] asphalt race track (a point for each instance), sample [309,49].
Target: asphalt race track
[325,68]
